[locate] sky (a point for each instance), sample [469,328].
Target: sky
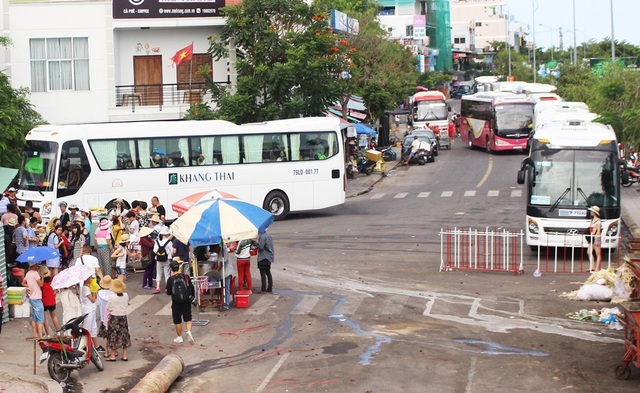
[593,20]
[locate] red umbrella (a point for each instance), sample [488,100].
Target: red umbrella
[187,203]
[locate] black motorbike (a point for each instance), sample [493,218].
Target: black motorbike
[365,165]
[421,157]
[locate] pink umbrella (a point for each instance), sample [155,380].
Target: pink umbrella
[187,203]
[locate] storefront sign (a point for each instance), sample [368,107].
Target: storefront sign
[127,9]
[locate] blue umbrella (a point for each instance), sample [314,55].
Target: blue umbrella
[220,220]
[38,254]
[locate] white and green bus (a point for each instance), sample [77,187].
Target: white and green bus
[283,166]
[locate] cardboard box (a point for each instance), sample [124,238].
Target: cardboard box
[242,299]
[374,155]
[17,295]
[20,310]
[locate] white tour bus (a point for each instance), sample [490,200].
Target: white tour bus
[571,166]
[284,166]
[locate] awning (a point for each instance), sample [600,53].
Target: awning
[362,129]
[6,176]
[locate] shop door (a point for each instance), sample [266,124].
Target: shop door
[147,77]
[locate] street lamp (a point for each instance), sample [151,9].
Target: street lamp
[533,7]
[575,48]
[506,25]
[613,40]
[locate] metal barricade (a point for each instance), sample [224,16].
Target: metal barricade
[485,250]
[572,256]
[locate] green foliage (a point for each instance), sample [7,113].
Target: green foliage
[17,117]
[288,64]
[433,79]
[199,111]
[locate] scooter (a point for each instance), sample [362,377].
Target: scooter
[67,353]
[421,157]
[365,165]
[628,174]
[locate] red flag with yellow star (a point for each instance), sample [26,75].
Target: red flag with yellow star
[183,54]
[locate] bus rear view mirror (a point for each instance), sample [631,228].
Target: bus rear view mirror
[521,176]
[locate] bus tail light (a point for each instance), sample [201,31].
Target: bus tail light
[46,209]
[533,226]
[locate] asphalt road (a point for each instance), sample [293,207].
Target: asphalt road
[361,306]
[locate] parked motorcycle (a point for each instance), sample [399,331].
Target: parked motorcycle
[67,353]
[388,154]
[628,174]
[421,157]
[365,165]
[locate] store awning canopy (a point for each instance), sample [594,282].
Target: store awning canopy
[362,129]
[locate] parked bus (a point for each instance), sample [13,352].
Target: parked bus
[496,121]
[284,166]
[430,106]
[569,169]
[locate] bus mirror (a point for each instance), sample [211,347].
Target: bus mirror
[521,175]
[532,175]
[449,108]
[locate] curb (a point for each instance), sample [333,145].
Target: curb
[28,382]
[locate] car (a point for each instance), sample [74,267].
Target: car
[460,91]
[408,140]
[431,134]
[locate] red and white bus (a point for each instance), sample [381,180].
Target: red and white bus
[496,121]
[430,107]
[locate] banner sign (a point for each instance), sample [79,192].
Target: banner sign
[134,9]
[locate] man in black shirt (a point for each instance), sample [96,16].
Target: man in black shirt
[158,208]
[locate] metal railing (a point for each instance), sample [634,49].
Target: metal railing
[486,250]
[160,95]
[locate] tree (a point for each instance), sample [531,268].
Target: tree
[289,63]
[17,117]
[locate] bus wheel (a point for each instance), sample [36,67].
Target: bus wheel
[277,204]
[469,141]
[488,145]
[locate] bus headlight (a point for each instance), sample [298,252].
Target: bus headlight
[613,229]
[533,226]
[46,209]
[498,142]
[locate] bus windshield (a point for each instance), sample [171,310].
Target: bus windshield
[514,120]
[38,166]
[430,110]
[573,178]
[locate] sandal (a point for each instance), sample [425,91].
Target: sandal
[124,359]
[110,360]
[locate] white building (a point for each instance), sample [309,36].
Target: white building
[476,23]
[99,60]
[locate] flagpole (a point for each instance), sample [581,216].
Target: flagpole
[190,72]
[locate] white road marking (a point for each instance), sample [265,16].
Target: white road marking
[306,304]
[470,193]
[493,193]
[424,194]
[446,194]
[166,310]
[401,195]
[516,193]
[136,302]
[262,303]
[470,374]
[378,195]
[350,306]
[273,372]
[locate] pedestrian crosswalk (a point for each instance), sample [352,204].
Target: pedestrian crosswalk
[449,194]
[306,303]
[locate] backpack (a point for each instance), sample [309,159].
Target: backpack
[161,254]
[180,292]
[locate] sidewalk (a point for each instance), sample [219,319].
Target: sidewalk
[631,209]
[363,183]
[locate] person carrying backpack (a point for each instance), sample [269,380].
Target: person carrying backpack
[181,290]
[163,250]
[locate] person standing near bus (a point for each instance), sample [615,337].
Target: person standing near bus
[104,246]
[157,208]
[65,220]
[266,257]
[594,239]
[243,261]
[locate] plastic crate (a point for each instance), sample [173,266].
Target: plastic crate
[242,299]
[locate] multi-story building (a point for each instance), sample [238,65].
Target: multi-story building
[477,23]
[423,26]
[100,60]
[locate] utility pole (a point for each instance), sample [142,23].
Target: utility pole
[533,7]
[560,36]
[575,47]
[613,40]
